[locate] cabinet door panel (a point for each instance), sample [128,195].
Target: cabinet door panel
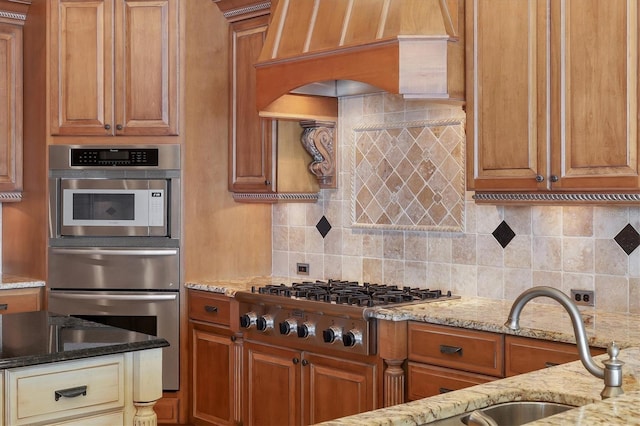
[507,95]
[10,107]
[250,162]
[214,364]
[272,385]
[595,47]
[81,64]
[146,67]
[336,388]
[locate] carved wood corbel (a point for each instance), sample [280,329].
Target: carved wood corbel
[318,138]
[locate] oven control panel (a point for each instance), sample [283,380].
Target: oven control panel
[101,157]
[307,330]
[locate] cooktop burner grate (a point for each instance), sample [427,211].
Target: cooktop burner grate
[351,293]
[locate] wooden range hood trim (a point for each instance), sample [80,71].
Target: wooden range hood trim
[415,67]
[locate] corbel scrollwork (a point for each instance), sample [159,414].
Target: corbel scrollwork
[318,138]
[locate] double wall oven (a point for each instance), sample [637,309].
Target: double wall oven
[114,239]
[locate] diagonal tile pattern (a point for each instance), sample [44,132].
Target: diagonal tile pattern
[409,176]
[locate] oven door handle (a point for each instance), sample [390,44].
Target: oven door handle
[132,297]
[118,252]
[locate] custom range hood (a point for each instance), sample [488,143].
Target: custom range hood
[338,48]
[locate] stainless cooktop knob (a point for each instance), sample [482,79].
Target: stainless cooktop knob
[306,330]
[352,338]
[288,326]
[264,323]
[332,334]
[248,319]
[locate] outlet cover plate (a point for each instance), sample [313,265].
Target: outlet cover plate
[583,297]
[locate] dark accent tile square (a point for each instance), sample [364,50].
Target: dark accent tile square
[323,226]
[503,234]
[628,239]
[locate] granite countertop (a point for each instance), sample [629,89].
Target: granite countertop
[8,282]
[568,384]
[542,319]
[40,337]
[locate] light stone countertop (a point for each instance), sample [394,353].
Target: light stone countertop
[569,383]
[9,282]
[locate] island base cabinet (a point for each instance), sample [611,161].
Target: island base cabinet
[108,390]
[50,392]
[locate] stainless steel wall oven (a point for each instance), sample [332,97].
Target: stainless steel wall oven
[114,240]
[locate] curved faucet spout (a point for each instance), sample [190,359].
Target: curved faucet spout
[611,373]
[576,321]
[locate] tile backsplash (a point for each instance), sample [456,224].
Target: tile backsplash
[502,251]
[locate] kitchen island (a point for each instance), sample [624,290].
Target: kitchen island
[65,370]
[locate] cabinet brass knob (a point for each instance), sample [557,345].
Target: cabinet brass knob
[553,178]
[107,126]
[295,360]
[539,178]
[305,362]
[119,127]
[267,182]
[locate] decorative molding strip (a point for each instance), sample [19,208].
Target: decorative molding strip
[10,196]
[13,15]
[511,197]
[275,198]
[247,10]
[408,124]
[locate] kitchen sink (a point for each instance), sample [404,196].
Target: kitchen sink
[509,413]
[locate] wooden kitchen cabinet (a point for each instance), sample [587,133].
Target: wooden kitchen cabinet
[443,358]
[266,155]
[523,354]
[289,387]
[114,67]
[250,137]
[10,109]
[552,100]
[216,356]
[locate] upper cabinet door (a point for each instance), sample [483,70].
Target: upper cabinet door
[146,67]
[81,67]
[594,47]
[10,108]
[553,95]
[114,67]
[506,94]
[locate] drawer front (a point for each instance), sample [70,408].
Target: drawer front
[425,381]
[209,307]
[469,350]
[19,301]
[65,389]
[524,355]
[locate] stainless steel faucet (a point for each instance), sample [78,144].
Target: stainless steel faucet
[612,371]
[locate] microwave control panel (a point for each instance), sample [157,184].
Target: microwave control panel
[100,157]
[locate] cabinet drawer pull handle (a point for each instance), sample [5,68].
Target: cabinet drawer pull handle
[444,390]
[550,364]
[70,392]
[210,309]
[4,306]
[450,350]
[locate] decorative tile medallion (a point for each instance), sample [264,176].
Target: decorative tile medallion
[503,234]
[628,239]
[409,176]
[323,226]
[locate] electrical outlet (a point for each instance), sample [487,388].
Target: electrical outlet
[583,297]
[303,268]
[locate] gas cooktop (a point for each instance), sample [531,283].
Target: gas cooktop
[353,293]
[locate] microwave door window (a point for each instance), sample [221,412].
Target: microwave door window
[103,207]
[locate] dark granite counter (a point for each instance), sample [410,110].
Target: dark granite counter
[41,337]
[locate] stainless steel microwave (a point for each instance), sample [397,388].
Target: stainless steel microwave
[114,207]
[114,191]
